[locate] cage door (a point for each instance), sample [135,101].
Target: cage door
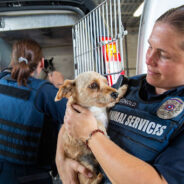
[98,41]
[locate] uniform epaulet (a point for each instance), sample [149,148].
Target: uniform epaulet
[121,80]
[136,80]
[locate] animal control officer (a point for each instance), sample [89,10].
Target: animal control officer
[147,126]
[29,118]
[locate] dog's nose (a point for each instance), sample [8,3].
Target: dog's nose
[114,95]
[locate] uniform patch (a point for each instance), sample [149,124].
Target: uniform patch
[171,108]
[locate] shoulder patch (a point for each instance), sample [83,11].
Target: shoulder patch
[171,108]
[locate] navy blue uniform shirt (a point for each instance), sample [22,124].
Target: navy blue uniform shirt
[45,102]
[170,163]
[164,153]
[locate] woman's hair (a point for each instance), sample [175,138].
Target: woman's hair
[174,17]
[26,54]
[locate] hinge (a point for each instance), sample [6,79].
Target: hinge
[76,66]
[2,24]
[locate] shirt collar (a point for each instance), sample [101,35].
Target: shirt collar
[147,92]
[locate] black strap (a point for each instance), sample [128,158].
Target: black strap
[15,125]
[20,126]
[17,156]
[19,136]
[23,148]
[15,92]
[18,146]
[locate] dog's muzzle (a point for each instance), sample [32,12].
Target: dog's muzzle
[114,95]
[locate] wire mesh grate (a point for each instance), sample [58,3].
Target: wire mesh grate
[98,41]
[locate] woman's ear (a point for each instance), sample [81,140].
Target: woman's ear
[40,66]
[42,63]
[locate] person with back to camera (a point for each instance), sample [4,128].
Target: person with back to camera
[146,127]
[56,78]
[29,118]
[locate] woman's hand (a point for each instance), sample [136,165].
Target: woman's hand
[56,78]
[79,121]
[68,169]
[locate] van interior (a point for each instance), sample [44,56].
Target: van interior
[52,30]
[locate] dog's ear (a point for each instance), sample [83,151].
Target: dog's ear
[66,90]
[46,63]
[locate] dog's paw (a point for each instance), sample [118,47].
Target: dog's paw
[122,90]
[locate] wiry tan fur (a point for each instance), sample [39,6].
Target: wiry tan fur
[82,91]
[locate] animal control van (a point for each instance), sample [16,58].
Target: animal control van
[49,22]
[94,43]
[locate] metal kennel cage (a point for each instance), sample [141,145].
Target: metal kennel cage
[98,41]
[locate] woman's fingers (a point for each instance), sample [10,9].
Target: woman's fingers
[81,169]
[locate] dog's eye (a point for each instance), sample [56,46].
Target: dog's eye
[94,85]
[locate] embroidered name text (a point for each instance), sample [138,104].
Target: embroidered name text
[138,123]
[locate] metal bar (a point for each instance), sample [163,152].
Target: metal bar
[126,51]
[81,48]
[121,33]
[115,34]
[92,44]
[104,33]
[109,32]
[98,42]
[95,40]
[78,48]
[86,45]
[74,49]
[107,23]
[117,41]
[111,26]
[89,44]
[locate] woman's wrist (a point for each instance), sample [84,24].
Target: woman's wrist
[95,131]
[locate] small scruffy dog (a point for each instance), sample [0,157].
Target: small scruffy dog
[90,90]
